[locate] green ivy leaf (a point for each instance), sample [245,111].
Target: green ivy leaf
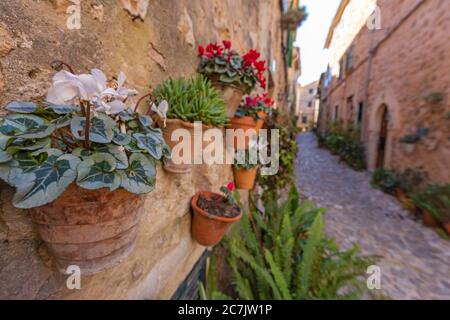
[63,121]
[46,182]
[21,107]
[118,152]
[127,115]
[227,79]
[101,129]
[151,143]
[4,156]
[82,152]
[31,145]
[16,124]
[140,176]
[98,171]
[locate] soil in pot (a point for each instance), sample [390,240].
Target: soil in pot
[213,217]
[245,178]
[93,229]
[249,130]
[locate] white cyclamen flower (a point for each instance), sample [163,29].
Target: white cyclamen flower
[161,111]
[69,88]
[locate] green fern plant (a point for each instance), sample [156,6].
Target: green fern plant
[191,100]
[284,254]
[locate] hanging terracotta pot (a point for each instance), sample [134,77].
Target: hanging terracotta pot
[93,229]
[261,118]
[171,126]
[232,94]
[446,227]
[249,127]
[245,178]
[428,219]
[208,229]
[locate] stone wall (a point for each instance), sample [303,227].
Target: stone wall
[405,75]
[150,41]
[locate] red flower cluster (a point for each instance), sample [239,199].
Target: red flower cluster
[252,102]
[251,59]
[214,50]
[230,186]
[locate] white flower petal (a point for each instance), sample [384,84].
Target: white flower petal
[63,92]
[89,84]
[64,75]
[116,106]
[100,78]
[121,79]
[163,107]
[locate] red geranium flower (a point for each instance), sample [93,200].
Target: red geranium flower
[250,57]
[227,44]
[201,50]
[260,65]
[230,186]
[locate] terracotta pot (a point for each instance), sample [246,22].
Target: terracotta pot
[245,179]
[260,122]
[231,94]
[93,229]
[249,127]
[208,229]
[429,220]
[406,202]
[446,227]
[171,126]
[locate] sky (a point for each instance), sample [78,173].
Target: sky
[311,38]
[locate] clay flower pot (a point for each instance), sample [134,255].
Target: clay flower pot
[245,179]
[209,229]
[93,229]
[260,122]
[406,202]
[231,94]
[429,220]
[171,126]
[249,127]
[446,227]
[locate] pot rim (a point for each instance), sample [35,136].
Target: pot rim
[181,123]
[215,80]
[243,120]
[206,214]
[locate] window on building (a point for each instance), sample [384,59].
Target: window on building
[311,91]
[360,112]
[304,119]
[350,109]
[310,104]
[341,69]
[349,60]
[336,113]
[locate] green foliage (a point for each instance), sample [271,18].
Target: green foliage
[347,145]
[436,200]
[192,100]
[246,159]
[287,151]
[390,180]
[43,150]
[415,137]
[283,253]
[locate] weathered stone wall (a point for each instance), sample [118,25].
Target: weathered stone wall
[405,73]
[162,45]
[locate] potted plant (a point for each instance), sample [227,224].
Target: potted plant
[233,74]
[245,168]
[189,100]
[434,202]
[213,215]
[81,162]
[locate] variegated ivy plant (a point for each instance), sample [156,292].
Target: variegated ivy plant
[85,134]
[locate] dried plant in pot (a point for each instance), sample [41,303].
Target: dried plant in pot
[82,161]
[178,104]
[233,74]
[213,215]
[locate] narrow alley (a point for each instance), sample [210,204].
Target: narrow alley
[415,261]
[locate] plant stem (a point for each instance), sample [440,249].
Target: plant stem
[88,127]
[141,99]
[58,64]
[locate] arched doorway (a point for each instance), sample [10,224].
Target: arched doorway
[383,137]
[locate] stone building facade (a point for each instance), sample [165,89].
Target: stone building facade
[387,76]
[150,41]
[307,106]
